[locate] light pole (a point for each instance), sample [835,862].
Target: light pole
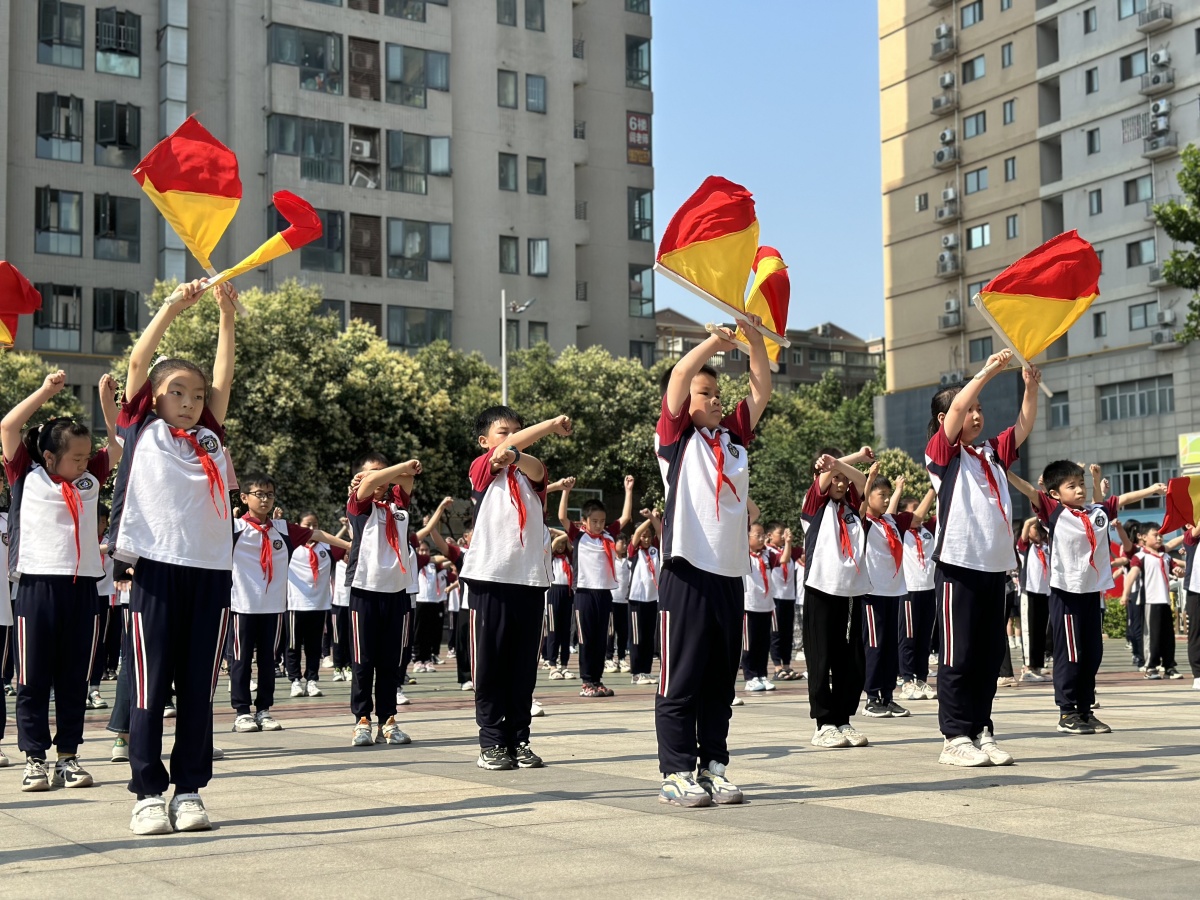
[505,309]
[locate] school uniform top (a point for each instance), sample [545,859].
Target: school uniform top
[51,521]
[453,594]
[620,593]
[262,553]
[561,570]
[783,573]
[1079,554]
[885,553]
[974,509]
[706,478]
[6,613]
[431,581]
[595,557]
[105,587]
[379,558]
[341,589]
[918,555]
[310,571]
[645,567]
[1035,566]
[171,499]
[834,543]
[758,582]
[1156,576]
[510,543]
[1191,576]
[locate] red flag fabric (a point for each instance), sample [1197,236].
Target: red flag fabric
[17,298]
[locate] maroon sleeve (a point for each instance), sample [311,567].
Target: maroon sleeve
[633,551]
[1112,506]
[738,423]
[209,421]
[454,553]
[400,497]
[298,534]
[797,553]
[614,528]
[931,523]
[1135,562]
[1022,545]
[853,497]
[814,499]
[904,521]
[135,409]
[451,577]
[671,428]
[573,532]
[99,465]
[337,554]
[1046,505]
[1005,445]
[356,507]
[17,466]
[423,560]
[1188,540]
[539,487]
[481,472]
[939,449]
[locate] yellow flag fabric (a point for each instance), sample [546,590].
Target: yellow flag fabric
[198,219]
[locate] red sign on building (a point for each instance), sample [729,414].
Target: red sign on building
[638,134]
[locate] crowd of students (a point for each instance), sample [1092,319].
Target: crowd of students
[877,582]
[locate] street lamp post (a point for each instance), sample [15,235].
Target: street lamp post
[505,310]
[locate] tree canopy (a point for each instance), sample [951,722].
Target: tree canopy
[1181,222]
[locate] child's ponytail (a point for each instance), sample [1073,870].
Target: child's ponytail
[940,405]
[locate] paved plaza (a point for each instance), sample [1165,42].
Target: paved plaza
[299,813]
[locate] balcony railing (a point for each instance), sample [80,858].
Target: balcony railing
[945,103]
[1150,204]
[1160,145]
[581,210]
[943,48]
[580,129]
[1157,81]
[577,48]
[948,265]
[1155,18]
[581,290]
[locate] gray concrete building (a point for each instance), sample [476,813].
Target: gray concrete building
[454,150]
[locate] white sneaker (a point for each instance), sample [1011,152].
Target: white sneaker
[910,691]
[187,813]
[1196,684]
[962,752]
[4,760]
[754,685]
[390,733]
[536,710]
[218,753]
[95,701]
[337,675]
[624,666]
[468,685]
[253,686]
[245,723]
[610,666]
[828,737]
[150,817]
[642,679]
[737,701]
[767,685]
[266,722]
[401,700]
[327,662]
[927,692]
[313,690]
[853,736]
[297,688]
[1032,676]
[987,743]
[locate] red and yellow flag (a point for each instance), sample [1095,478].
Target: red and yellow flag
[1183,503]
[710,242]
[769,297]
[1034,301]
[304,228]
[17,298]
[193,180]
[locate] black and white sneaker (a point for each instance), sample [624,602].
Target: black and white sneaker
[897,711]
[36,777]
[1096,725]
[877,709]
[1073,723]
[525,758]
[68,773]
[495,759]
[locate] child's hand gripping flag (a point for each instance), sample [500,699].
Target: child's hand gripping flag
[304,226]
[1033,302]
[769,297]
[1183,503]
[17,298]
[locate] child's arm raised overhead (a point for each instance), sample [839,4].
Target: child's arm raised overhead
[760,372]
[1135,496]
[627,509]
[509,455]
[564,517]
[1027,417]
[222,383]
[1025,488]
[870,480]
[922,511]
[108,406]
[827,465]
[431,525]
[897,490]
[366,483]
[753,510]
[952,423]
[142,355]
[639,531]
[1097,485]
[680,385]
[558,425]
[15,419]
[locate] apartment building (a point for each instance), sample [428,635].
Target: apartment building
[453,151]
[1005,123]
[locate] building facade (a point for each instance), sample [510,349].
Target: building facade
[1005,123]
[453,151]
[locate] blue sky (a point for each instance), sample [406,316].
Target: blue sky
[781,96]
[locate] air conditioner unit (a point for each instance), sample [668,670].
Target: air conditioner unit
[363,179]
[1160,124]
[360,59]
[948,213]
[942,155]
[949,322]
[946,258]
[947,136]
[949,241]
[1160,107]
[943,31]
[1165,317]
[946,80]
[360,149]
[949,194]
[1163,339]
[1154,144]
[951,304]
[1159,78]
[949,378]
[1160,58]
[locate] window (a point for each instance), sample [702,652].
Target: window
[328,252]
[318,143]
[370,313]
[334,308]
[1005,5]
[412,157]
[508,171]
[412,327]
[1010,227]
[1060,410]
[1010,111]
[506,12]
[973,69]
[637,62]
[1127,8]
[411,246]
[118,42]
[535,175]
[1091,81]
[1010,169]
[510,255]
[980,349]
[506,89]
[58,222]
[1090,22]
[975,125]
[512,330]
[641,292]
[1093,141]
[642,351]
[59,127]
[1006,55]
[1133,65]
[1139,253]
[317,54]
[1100,325]
[411,70]
[114,318]
[641,215]
[56,324]
[1095,202]
[539,333]
[922,202]
[1139,190]
[1137,399]
[1140,474]
[535,20]
[972,13]
[118,227]
[975,181]
[118,134]
[1142,315]
[979,236]
[60,34]
[366,246]
[539,257]
[364,69]
[413,10]
[638,6]
[973,290]
[535,93]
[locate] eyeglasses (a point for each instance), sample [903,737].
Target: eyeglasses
[261,495]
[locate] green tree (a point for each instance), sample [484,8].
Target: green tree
[894,462]
[1181,222]
[23,373]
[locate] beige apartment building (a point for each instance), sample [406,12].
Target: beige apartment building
[1003,124]
[453,150]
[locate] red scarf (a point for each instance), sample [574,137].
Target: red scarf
[895,545]
[1162,561]
[514,496]
[390,530]
[313,563]
[1041,555]
[608,551]
[70,495]
[650,566]
[567,570]
[216,484]
[783,564]
[1082,516]
[993,485]
[844,543]
[762,568]
[266,555]
[714,444]
[920,543]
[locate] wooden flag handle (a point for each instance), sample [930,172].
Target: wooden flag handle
[987,317]
[738,315]
[237,304]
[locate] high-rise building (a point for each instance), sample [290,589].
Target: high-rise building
[1005,123]
[453,150]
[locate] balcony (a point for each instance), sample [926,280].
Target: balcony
[943,48]
[947,212]
[1157,82]
[945,103]
[580,130]
[1150,204]
[1154,277]
[1156,18]
[577,48]
[1160,146]
[938,4]
[948,265]
[950,323]
[945,157]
